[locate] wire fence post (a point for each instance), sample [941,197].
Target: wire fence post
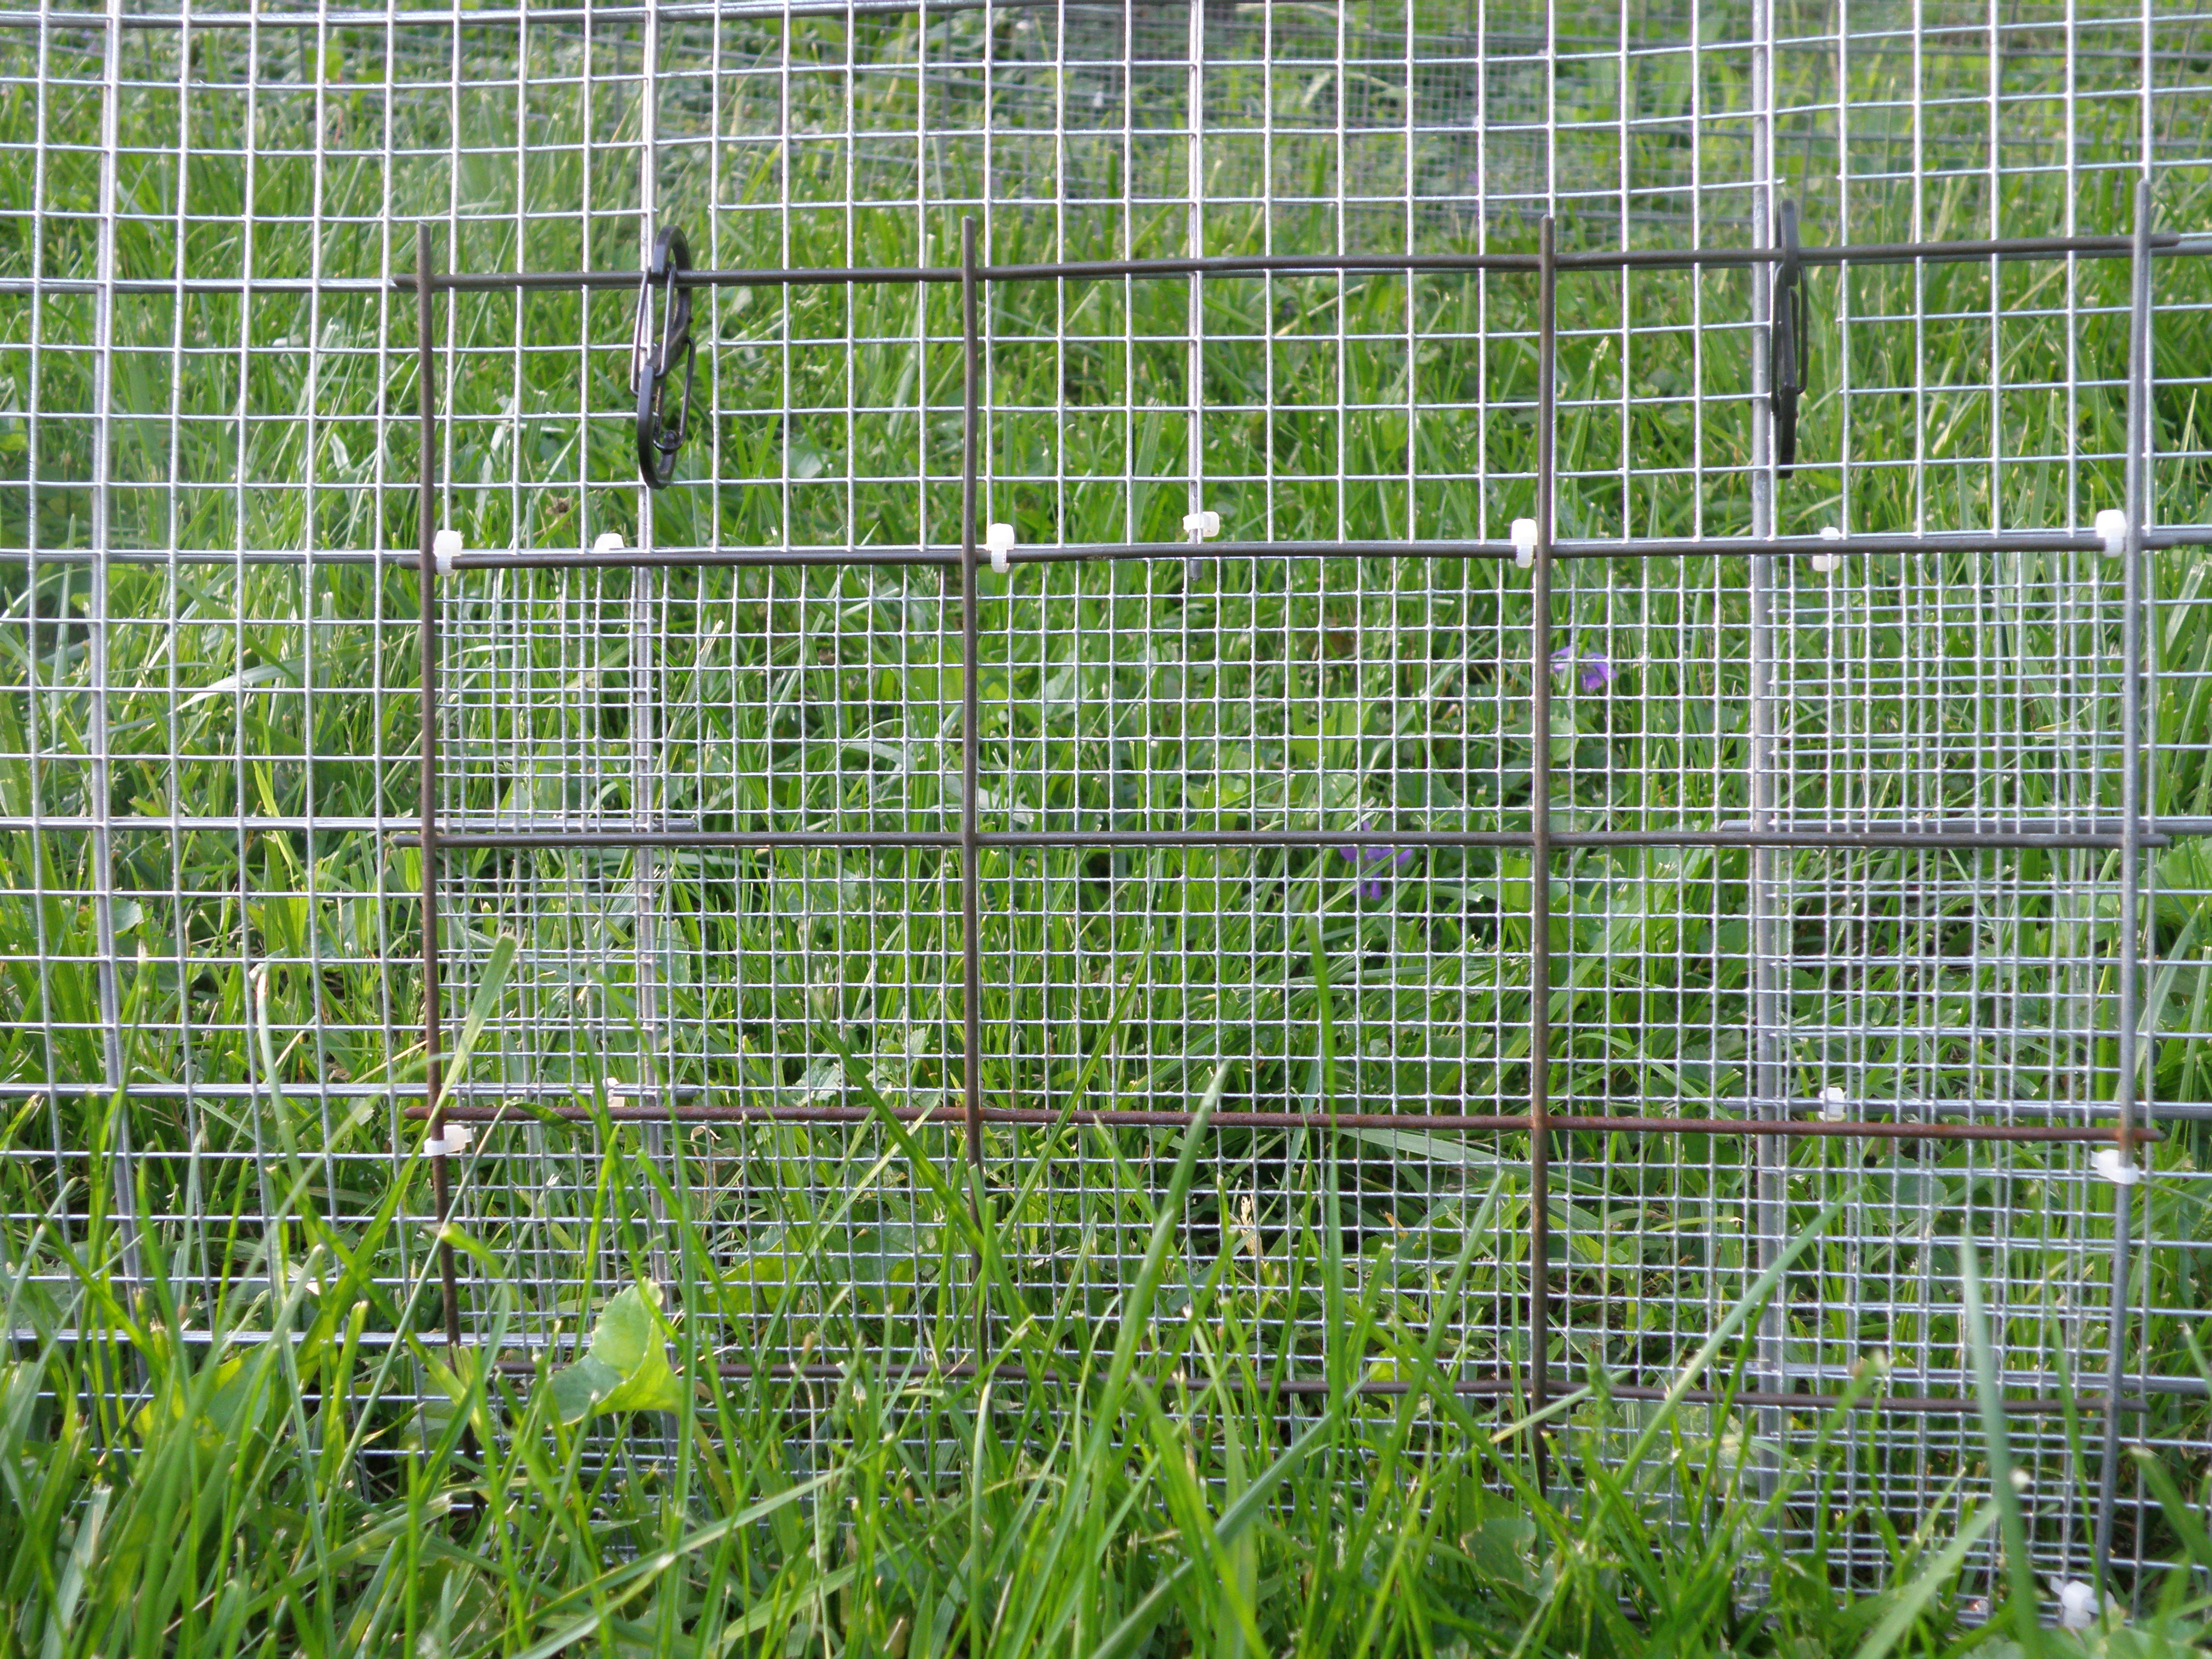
[99,734]
[2126,1082]
[1769,1072]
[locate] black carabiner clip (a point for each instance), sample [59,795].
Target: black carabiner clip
[1791,348]
[652,354]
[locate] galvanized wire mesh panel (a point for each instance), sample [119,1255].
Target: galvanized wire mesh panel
[1335,820]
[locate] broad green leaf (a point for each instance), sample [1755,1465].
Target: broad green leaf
[626,1367]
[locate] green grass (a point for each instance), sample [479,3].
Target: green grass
[290,1494]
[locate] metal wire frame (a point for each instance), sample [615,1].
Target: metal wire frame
[1539,1122]
[122,832]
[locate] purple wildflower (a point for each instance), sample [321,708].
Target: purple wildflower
[1598,672]
[1375,864]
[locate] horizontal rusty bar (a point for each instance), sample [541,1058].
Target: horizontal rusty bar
[1493,1388]
[1918,1405]
[1863,1128]
[1921,1404]
[2054,839]
[1409,1122]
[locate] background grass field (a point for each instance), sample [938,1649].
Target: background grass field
[313,1485]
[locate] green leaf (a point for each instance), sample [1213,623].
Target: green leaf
[627,1368]
[579,1390]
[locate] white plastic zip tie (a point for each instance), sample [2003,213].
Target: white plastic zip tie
[608,541]
[1000,538]
[1198,526]
[1832,1107]
[2120,1171]
[445,548]
[1524,543]
[2113,525]
[435,1148]
[2077,1605]
[1826,562]
[458,1136]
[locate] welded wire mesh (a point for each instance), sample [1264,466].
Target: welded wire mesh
[1845,834]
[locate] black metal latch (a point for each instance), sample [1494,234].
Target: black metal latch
[1791,348]
[652,354]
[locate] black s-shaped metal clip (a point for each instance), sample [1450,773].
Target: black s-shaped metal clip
[653,353]
[1791,348]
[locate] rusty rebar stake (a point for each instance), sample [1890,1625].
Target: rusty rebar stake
[1539,846]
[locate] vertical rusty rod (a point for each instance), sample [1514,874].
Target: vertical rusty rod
[1540,851]
[2136,487]
[971,875]
[427,585]
[971,852]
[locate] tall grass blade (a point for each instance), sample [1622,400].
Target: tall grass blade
[1912,1598]
[1997,1447]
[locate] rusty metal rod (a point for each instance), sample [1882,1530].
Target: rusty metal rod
[971,862]
[1962,840]
[972,761]
[1496,1387]
[1539,843]
[1410,1122]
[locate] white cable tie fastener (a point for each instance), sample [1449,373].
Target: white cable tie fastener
[1826,562]
[1524,543]
[458,1136]
[445,548]
[608,541]
[435,1148]
[1198,526]
[2120,1171]
[2112,526]
[1000,538]
[1832,1107]
[2077,1605]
